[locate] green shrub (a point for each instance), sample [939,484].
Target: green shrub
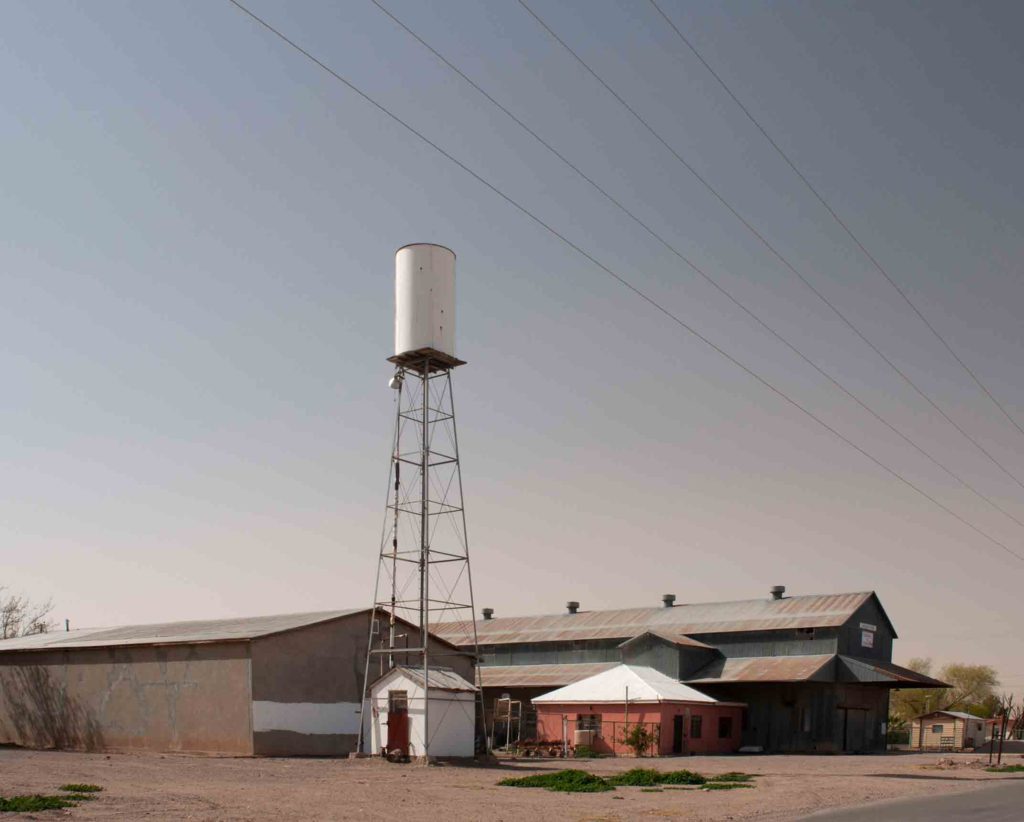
[81,787]
[584,752]
[638,738]
[568,781]
[35,802]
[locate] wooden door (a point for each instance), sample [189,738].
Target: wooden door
[398,723]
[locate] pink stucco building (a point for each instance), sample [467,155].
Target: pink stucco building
[595,711]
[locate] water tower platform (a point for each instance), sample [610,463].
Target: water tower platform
[415,360]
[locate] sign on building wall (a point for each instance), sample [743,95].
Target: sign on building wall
[867,639]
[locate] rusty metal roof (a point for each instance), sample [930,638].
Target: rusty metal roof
[765,669]
[172,633]
[873,670]
[675,639]
[539,676]
[818,611]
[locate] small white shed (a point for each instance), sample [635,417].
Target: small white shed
[396,713]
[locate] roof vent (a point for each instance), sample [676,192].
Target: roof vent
[572,607]
[777,591]
[668,600]
[488,613]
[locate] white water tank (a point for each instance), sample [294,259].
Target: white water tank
[424,299]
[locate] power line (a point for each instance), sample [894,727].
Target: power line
[616,276]
[707,277]
[764,241]
[835,216]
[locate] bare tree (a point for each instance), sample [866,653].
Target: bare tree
[20,616]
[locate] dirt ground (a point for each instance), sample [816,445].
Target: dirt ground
[138,786]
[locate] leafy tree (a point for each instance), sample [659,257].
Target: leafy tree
[972,688]
[19,616]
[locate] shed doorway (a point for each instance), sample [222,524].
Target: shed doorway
[398,723]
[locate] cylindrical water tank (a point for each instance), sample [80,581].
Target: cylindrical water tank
[424,298]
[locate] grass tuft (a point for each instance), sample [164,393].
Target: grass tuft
[33,802]
[1005,769]
[724,786]
[81,787]
[568,781]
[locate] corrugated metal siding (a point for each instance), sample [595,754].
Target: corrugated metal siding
[538,676]
[830,610]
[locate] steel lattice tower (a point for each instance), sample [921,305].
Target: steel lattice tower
[423,571]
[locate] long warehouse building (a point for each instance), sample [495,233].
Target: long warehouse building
[271,685]
[815,672]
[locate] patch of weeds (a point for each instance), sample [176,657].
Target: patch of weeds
[79,797]
[652,790]
[643,777]
[648,777]
[568,781]
[732,776]
[682,778]
[34,802]
[1005,769]
[724,786]
[81,787]
[681,788]
[584,752]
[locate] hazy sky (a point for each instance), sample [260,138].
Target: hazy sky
[197,263]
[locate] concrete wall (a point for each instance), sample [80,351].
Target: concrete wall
[307,686]
[188,698]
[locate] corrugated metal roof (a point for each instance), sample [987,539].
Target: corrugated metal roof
[172,633]
[957,714]
[763,669]
[441,679]
[818,611]
[539,676]
[637,683]
[873,670]
[675,639]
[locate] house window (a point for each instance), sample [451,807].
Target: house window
[724,727]
[696,722]
[398,701]
[937,729]
[589,722]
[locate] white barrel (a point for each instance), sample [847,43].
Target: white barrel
[424,299]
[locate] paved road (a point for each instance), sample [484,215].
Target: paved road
[1001,803]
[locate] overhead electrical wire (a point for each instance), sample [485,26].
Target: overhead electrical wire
[771,248]
[618,277]
[839,220]
[692,265]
